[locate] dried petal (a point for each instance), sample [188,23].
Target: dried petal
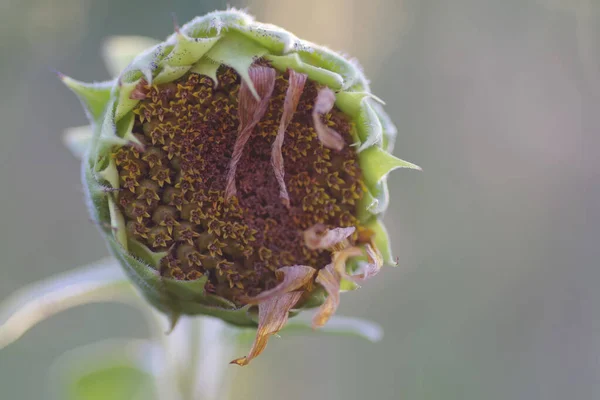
[330,279]
[319,237]
[294,278]
[292,97]
[331,276]
[272,316]
[372,267]
[323,104]
[250,113]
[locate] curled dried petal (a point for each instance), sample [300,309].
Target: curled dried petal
[272,316]
[331,276]
[372,267]
[292,97]
[294,278]
[323,104]
[318,237]
[250,112]
[330,279]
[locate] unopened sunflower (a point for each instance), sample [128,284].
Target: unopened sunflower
[240,172]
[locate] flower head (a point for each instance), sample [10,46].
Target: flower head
[240,172]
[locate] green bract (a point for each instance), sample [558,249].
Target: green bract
[234,39]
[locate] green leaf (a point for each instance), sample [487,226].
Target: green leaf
[336,326]
[119,51]
[103,281]
[115,370]
[78,139]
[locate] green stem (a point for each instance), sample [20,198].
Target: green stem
[196,355]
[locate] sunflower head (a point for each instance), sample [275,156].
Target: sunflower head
[240,172]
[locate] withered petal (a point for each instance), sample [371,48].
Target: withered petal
[331,276]
[272,316]
[250,112]
[330,279]
[372,267]
[292,97]
[294,278]
[323,104]
[318,237]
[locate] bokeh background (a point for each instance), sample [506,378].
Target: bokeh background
[497,292]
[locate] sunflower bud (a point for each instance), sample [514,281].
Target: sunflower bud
[239,172]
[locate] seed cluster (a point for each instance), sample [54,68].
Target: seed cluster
[172,193]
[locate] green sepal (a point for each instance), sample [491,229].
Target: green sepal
[214,23]
[208,68]
[187,50]
[277,40]
[125,103]
[124,129]
[382,240]
[325,58]
[151,258]
[377,163]
[96,198]
[174,297]
[239,53]
[93,96]
[347,285]
[367,122]
[389,129]
[117,223]
[350,103]
[169,73]
[374,202]
[142,66]
[119,51]
[317,74]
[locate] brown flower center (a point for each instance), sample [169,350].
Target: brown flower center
[173,194]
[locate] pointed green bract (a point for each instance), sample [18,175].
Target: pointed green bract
[382,240]
[234,39]
[377,163]
[317,74]
[93,96]
[239,53]
[206,67]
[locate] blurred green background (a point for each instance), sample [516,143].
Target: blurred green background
[496,295]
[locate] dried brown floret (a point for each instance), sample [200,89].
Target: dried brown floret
[230,183]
